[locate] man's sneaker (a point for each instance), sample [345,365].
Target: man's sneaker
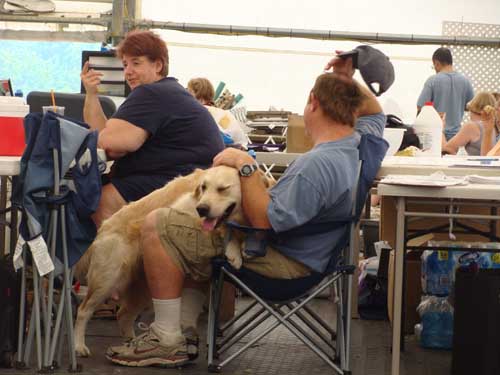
[192,343]
[146,350]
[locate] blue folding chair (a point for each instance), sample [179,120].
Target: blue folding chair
[286,300]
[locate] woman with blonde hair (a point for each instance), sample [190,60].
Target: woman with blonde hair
[476,133]
[491,126]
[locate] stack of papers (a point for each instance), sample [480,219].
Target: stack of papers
[475,179]
[438,179]
[481,162]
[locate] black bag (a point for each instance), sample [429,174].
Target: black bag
[372,298]
[409,137]
[10,283]
[476,326]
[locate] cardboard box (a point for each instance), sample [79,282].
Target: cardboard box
[296,138]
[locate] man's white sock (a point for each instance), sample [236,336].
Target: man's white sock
[167,322]
[191,307]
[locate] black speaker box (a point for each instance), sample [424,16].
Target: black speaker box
[476,331]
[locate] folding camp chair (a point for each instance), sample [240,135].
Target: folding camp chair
[55,229]
[286,300]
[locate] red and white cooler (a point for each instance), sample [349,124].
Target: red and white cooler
[12,112]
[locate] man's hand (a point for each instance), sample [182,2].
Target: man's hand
[341,65]
[232,157]
[90,79]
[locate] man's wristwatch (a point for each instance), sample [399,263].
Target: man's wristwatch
[247,170]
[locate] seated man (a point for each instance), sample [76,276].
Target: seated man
[315,188]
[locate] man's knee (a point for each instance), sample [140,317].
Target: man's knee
[149,225]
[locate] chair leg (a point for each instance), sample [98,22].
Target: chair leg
[240,333]
[312,327]
[348,323]
[56,341]
[74,366]
[340,324]
[36,312]
[50,292]
[231,322]
[213,312]
[20,364]
[320,321]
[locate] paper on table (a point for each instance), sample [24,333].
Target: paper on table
[475,179]
[437,179]
[405,160]
[478,163]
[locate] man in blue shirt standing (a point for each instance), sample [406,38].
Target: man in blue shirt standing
[314,189]
[450,91]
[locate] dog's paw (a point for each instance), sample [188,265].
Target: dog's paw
[245,255]
[233,254]
[235,261]
[82,351]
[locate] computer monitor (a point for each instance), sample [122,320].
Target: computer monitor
[72,103]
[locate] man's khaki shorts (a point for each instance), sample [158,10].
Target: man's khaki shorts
[191,249]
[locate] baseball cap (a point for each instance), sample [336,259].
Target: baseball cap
[374,66]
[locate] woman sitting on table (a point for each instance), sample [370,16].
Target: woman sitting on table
[204,92]
[474,132]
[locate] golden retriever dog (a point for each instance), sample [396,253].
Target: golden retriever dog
[113,264]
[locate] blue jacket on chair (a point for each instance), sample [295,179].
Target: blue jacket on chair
[34,190]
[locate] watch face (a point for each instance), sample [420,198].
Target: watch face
[246,170]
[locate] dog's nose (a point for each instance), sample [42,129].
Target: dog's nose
[203,210]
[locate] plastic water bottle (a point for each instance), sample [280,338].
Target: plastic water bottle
[429,129]
[436,328]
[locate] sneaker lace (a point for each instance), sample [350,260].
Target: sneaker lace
[145,333]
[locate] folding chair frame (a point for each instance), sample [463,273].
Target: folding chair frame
[337,342]
[62,326]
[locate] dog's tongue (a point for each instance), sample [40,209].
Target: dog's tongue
[208,224]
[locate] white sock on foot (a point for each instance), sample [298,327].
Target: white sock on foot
[191,307]
[167,322]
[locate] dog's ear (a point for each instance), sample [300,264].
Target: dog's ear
[197,192]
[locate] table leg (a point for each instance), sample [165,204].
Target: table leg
[398,284]
[3,205]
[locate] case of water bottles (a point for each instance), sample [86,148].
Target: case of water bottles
[438,277]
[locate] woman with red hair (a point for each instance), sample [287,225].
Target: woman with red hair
[159,132]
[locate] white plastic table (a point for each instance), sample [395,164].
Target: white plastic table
[472,192]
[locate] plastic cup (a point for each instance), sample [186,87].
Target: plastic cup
[57,109]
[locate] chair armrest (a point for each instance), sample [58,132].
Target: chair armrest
[246,229]
[255,240]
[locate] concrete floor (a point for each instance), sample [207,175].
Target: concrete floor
[280,353]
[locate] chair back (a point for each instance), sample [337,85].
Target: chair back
[72,103]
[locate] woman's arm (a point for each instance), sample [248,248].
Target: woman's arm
[470,132]
[120,137]
[93,114]
[487,144]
